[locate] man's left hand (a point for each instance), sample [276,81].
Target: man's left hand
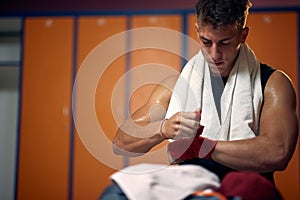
[189,148]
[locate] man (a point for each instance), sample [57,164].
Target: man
[252,126]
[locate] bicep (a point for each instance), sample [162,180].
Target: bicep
[279,122]
[156,106]
[128,136]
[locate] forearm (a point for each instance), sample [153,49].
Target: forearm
[259,154]
[133,140]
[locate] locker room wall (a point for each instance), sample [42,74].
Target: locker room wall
[53,162]
[8,6]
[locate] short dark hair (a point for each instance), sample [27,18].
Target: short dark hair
[223,12]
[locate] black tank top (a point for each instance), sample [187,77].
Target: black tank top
[266,72]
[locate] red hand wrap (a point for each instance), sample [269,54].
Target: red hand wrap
[185,149]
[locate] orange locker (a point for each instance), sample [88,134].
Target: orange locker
[91,173]
[45,112]
[192,34]
[273,37]
[151,65]
[156,56]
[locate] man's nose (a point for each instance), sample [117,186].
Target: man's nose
[215,53]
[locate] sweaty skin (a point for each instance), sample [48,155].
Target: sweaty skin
[127,143]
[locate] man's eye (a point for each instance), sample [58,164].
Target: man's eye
[206,43]
[225,43]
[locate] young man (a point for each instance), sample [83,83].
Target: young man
[252,124]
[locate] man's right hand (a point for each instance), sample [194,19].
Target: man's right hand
[181,125]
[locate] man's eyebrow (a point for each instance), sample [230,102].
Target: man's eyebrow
[204,38]
[225,39]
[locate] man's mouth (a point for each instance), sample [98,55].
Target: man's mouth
[218,63]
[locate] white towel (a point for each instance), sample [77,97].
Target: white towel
[159,182]
[240,101]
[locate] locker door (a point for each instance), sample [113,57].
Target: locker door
[91,174]
[274,39]
[156,58]
[45,111]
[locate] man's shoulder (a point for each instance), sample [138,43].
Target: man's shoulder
[273,75]
[280,84]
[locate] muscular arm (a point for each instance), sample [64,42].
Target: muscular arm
[274,147]
[142,132]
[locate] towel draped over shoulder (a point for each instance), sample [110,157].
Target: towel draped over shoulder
[240,102]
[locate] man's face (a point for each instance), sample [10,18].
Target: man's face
[220,46]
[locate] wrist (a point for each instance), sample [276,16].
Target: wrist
[162,134]
[207,148]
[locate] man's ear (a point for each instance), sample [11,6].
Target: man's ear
[197,29]
[244,34]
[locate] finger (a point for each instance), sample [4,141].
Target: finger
[190,115]
[185,132]
[190,123]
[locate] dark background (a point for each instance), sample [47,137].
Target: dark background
[25,6]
